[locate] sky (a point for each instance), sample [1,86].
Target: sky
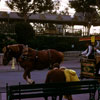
[64,3]
[3,6]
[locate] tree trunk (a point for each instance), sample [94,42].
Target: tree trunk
[88,31]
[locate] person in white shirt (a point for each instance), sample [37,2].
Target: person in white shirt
[97,44]
[89,52]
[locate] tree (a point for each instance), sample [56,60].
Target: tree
[86,7]
[98,4]
[27,7]
[24,32]
[64,12]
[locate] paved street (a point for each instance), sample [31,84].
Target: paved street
[14,76]
[7,75]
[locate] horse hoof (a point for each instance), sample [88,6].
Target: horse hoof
[33,82]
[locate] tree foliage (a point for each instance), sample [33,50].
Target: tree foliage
[83,5]
[88,8]
[24,32]
[28,7]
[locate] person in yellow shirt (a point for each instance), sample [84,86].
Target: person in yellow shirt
[70,74]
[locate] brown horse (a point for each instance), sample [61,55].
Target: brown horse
[31,59]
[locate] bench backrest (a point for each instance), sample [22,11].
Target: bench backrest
[50,89]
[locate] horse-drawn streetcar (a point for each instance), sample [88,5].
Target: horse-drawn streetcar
[89,66]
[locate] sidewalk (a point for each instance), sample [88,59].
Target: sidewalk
[9,68]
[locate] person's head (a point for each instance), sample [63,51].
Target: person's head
[88,43]
[93,43]
[56,65]
[62,68]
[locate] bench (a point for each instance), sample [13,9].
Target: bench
[52,89]
[2,90]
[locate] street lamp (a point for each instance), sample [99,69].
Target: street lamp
[72,16]
[8,16]
[8,20]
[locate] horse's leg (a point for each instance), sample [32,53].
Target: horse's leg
[29,75]
[60,97]
[26,76]
[54,97]
[70,97]
[46,98]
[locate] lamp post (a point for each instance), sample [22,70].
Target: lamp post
[72,16]
[8,16]
[89,26]
[8,20]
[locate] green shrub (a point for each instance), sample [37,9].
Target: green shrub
[47,42]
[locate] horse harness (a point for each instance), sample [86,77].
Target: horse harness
[27,57]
